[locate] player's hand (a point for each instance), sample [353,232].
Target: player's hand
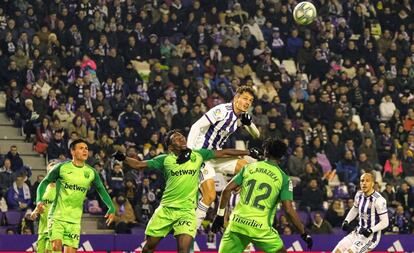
[256,153]
[308,239]
[40,208]
[119,156]
[246,119]
[365,232]
[345,226]
[109,218]
[34,215]
[218,224]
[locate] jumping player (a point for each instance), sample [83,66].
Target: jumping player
[181,167]
[211,132]
[263,185]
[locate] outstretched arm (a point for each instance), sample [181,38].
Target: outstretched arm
[352,214]
[252,130]
[230,153]
[135,163]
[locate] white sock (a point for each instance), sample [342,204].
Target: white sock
[201,213]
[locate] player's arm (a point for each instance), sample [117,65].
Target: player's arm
[352,214]
[218,222]
[250,127]
[381,208]
[131,162]
[52,176]
[97,182]
[195,130]
[286,196]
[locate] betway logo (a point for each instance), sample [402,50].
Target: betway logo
[75,187]
[183,172]
[396,247]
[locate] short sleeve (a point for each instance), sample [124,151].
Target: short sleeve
[216,113]
[207,154]
[156,162]
[238,179]
[381,206]
[286,192]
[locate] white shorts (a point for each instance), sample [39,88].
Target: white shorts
[358,243]
[223,165]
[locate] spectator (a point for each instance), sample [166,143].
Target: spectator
[399,222]
[389,195]
[405,197]
[296,165]
[314,197]
[347,169]
[387,108]
[125,217]
[320,225]
[15,159]
[7,176]
[43,136]
[57,148]
[18,195]
[335,214]
[116,179]
[393,170]
[144,210]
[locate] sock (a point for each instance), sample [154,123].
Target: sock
[201,213]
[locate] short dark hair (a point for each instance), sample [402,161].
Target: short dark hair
[167,140]
[245,88]
[75,142]
[275,148]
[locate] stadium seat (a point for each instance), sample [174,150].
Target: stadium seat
[14,217]
[304,217]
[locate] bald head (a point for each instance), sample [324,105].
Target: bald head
[367,183]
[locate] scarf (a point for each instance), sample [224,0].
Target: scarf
[26,190]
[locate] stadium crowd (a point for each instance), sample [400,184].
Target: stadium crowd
[121,73]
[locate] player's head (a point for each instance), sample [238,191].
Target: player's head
[367,183]
[175,140]
[79,150]
[275,149]
[51,165]
[243,99]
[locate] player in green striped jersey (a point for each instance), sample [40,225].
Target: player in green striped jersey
[263,185]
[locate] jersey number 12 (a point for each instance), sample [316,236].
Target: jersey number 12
[251,185]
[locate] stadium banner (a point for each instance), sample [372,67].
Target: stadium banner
[204,243]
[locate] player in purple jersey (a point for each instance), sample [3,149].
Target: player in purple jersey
[372,210]
[211,132]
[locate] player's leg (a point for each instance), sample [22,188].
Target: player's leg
[56,231]
[233,242]
[71,237]
[208,191]
[158,227]
[345,244]
[269,242]
[151,244]
[184,243]
[41,243]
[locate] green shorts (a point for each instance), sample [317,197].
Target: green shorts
[68,232]
[43,243]
[236,243]
[165,219]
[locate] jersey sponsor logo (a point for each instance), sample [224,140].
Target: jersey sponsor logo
[48,201]
[71,236]
[267,172]
[184,223]
[75,187]
[248,222]
[87,174]
[183,172]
